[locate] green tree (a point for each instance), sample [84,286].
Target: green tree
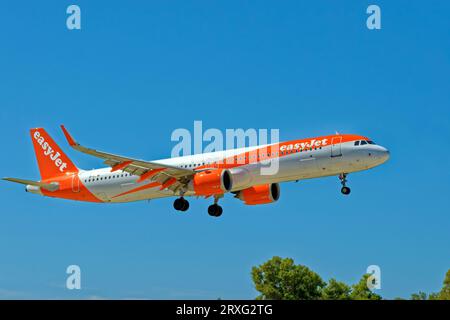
[444,294]
[281,279]
[419,296]
[336,290]
[445,291]
[360,291]
[433,296]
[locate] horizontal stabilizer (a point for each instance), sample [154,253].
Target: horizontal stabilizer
[47,186]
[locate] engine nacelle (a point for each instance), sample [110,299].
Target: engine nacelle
[241,178]
[211,182]
[260,194]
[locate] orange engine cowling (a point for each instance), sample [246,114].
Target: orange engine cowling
[260,194]
[211,182]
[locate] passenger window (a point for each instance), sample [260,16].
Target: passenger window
[357,143]
[363,142]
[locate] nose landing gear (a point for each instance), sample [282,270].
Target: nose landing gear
[345,190]
[181,204]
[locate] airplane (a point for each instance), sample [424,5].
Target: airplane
[214,174]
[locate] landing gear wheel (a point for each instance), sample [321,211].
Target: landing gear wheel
[215,210]
[345,190]
[181,204]
[185,205]
[219,211]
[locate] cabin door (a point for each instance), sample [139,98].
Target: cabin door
[336,147]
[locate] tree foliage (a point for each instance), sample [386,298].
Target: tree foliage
[445,291]
[281,279]
[336,290]
[419,296]
[444,294]
[361,291]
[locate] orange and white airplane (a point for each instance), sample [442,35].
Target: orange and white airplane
[214,174]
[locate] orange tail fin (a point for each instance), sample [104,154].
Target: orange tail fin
[52,161]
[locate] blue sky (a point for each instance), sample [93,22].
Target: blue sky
[135,72]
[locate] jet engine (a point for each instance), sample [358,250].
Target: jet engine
[260,194]
[211,182]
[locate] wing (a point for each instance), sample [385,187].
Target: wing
[168,176]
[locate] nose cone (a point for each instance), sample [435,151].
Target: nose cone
[383,154]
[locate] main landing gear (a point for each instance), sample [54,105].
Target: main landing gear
[215,210]
[345,190]
[181,204]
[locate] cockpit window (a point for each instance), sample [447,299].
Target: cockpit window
[370,142]
[357,143]
[363,142]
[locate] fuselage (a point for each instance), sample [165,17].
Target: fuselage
[296,160]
